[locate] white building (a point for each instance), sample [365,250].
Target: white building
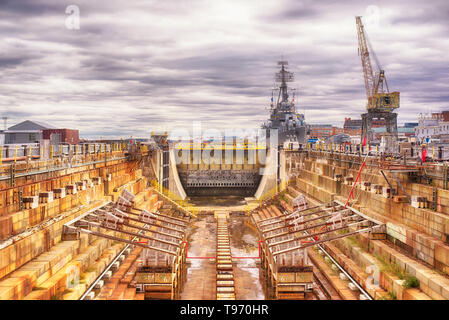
[355,140]
[431,127]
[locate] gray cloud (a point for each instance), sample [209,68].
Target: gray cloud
[138,66]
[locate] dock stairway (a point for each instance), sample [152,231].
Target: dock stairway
[225,273]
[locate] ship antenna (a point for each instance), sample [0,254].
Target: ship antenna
[283,77]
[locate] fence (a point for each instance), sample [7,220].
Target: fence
[433,152]
[18,152]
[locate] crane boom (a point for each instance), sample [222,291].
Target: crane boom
[366,61]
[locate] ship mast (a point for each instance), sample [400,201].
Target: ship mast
[283,77]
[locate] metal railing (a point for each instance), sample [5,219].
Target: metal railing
[20,152]
[434,152]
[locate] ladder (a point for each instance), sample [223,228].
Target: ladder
[225,274]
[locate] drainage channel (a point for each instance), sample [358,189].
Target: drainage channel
[225,272]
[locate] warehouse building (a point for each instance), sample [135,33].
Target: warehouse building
[34,131]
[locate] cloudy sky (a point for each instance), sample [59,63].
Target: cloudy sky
[136,66]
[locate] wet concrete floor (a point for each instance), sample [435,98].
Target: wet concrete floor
[218,201]
[201,274]
[201,278]
[245,252]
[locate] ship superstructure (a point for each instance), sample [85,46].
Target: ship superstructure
[283,116]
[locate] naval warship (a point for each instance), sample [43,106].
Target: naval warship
[283,116]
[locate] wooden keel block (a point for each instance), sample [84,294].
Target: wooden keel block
[71,189]
[96,180]
[46,197]
[31,202]
[59,193]
[225,283]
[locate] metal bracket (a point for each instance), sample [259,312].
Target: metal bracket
[434,197]
[445,176]
[389,184]
[400,185]
[12,175]
[20,199]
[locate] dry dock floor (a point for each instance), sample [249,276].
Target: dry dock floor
[200,284]
[201,276]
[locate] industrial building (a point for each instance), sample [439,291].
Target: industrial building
[324,131]
[30,131]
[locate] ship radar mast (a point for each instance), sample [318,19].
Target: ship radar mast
[283,77]
[283,117]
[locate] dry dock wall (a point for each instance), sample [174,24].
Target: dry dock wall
[421,232]
[32,253]
[268,182]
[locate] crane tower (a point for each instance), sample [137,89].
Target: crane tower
[380,101]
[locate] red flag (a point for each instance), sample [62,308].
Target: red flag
[424,154]
[364,141]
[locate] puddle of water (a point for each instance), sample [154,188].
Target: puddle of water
[201,241]
[245,243]
[257,290]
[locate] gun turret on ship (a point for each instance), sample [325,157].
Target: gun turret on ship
[283,116]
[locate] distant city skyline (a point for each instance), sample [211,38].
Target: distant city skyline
[129,68]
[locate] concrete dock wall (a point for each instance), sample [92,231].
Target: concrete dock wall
[422,232]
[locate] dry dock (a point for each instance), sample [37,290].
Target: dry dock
[102,229]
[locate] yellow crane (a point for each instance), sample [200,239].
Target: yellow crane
[380,101]
[377,92]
